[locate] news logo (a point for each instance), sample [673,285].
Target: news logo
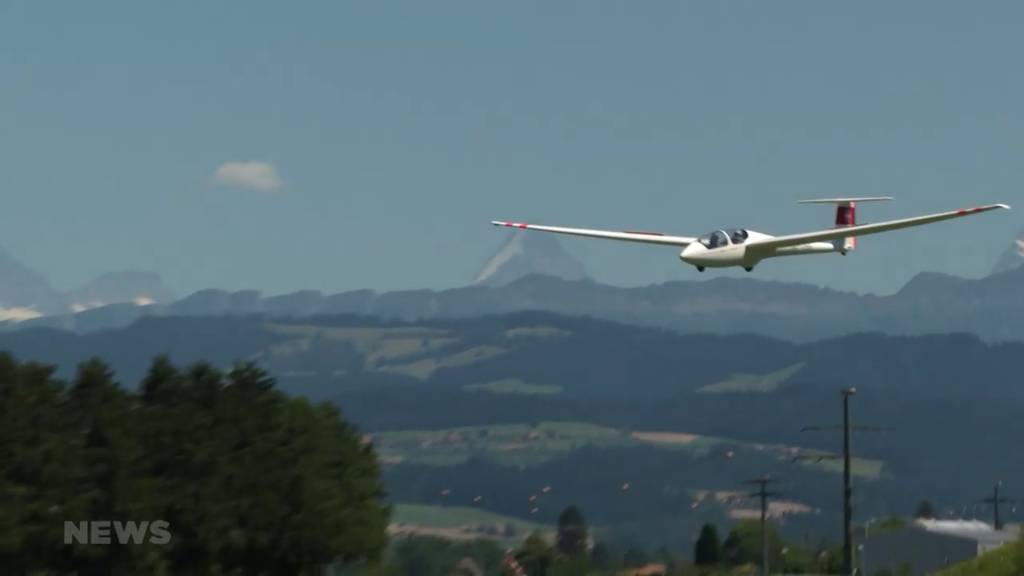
[117,532]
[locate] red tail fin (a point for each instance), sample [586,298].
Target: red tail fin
[846,215]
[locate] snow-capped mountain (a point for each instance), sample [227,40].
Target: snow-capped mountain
[1013,257]
[524,254]
[126,286]
[25,293]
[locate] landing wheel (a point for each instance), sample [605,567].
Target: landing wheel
[748,268]
[700,268]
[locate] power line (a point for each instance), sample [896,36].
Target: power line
[847,428]
[995,500]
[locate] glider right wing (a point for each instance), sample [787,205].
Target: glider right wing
[626,236]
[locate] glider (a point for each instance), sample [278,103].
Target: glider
[745,248]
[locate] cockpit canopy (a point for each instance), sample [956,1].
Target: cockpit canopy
[720,238]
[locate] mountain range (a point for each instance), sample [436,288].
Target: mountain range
[26,294]
[990,307]
[533,272]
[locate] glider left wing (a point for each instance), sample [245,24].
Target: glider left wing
[864,229]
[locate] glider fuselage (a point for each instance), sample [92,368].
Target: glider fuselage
[724,248]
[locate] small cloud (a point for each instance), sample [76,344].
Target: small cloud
[248,175]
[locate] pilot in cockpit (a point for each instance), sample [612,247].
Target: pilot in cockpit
[716,239]
[738,235]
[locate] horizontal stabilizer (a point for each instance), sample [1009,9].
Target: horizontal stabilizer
[844,200]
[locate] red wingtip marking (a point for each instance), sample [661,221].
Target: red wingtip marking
[961,211]
[977,210]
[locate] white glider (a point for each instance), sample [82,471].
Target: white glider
[745,248]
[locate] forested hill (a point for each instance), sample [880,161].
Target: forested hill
[952,398]
[581,357]
[536,366]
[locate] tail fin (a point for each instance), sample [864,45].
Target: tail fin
[846,215]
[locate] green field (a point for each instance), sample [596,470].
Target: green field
[461,523]
[1005,561]
[510,444]
[870,469]
[753,383]
[455,516]
[523,445]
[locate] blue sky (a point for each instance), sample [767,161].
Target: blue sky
[397,130]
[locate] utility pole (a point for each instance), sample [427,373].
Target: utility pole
[995,500]
[847,457]
[763,494]
[847,486]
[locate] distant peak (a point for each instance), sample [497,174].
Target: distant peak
[138,287]
[24,291]
[1013,257]
[525,254]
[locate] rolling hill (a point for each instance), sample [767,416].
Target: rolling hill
[454,404]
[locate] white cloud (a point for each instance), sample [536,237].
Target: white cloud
[18,314]
[248,175]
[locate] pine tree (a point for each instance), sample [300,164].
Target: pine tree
[249,480]
[925,510]
[708,550]
[572,532]
[535,556]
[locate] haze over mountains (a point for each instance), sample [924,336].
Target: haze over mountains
[534,272]
[989,307]
[26,294]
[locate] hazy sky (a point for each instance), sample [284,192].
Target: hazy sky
[337,145]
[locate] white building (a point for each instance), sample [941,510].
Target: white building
[927,546]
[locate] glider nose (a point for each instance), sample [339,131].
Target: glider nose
[691,254]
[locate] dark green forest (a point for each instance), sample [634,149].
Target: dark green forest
[247,480]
